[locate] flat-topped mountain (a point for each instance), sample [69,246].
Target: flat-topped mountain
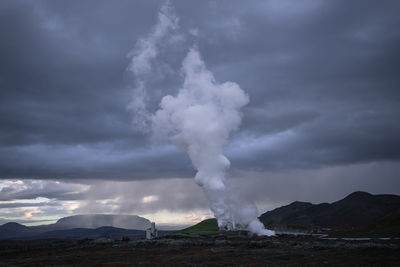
[93,221]
[99,220]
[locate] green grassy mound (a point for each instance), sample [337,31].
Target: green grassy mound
[209,225]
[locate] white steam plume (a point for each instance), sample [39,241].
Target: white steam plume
[200,119]
[143,56]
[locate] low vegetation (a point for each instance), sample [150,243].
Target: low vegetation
[209,225]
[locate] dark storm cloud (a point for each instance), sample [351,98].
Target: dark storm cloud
[24,205]
[32,189]
[322,79]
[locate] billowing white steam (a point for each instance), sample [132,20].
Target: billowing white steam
[142,60]
[200,119]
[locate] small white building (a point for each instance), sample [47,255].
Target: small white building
[152,231]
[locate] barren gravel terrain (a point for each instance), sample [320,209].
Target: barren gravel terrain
[202,249]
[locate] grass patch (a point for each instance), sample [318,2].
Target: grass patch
[209,225]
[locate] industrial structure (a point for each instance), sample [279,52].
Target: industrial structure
[152,231]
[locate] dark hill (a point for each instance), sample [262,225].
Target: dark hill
[279,215]
[13,226]
[15,230]
[358,209]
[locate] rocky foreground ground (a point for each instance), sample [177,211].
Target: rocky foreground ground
[202,249]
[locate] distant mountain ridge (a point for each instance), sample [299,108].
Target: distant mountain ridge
[91,225]
[17,231]
[359,209]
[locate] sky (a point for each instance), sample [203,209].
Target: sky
[322,78]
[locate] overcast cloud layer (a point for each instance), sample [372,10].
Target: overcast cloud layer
[322,78]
